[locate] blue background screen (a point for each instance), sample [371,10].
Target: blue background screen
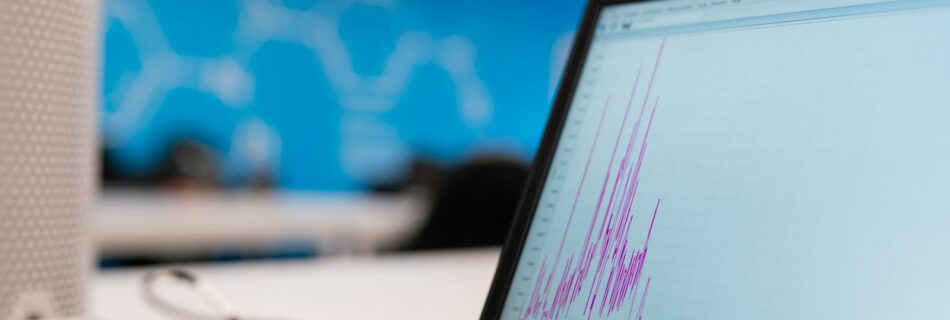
[329,95]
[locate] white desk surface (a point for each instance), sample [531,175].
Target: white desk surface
[447,285]
[170,223]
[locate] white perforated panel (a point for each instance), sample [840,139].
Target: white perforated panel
[49,52]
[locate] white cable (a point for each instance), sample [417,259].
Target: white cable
[224,309]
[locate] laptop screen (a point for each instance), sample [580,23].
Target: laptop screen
[742,159]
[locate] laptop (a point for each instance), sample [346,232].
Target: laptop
[741,159]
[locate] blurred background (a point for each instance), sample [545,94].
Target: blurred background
[275,129]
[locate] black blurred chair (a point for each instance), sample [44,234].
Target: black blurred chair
[473,205]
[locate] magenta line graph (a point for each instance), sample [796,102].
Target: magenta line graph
[607,265]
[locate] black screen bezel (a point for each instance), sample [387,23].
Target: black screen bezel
[521,225]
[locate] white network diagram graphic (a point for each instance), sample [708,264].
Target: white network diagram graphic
[365,137]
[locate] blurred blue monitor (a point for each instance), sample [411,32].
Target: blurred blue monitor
[329,95]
